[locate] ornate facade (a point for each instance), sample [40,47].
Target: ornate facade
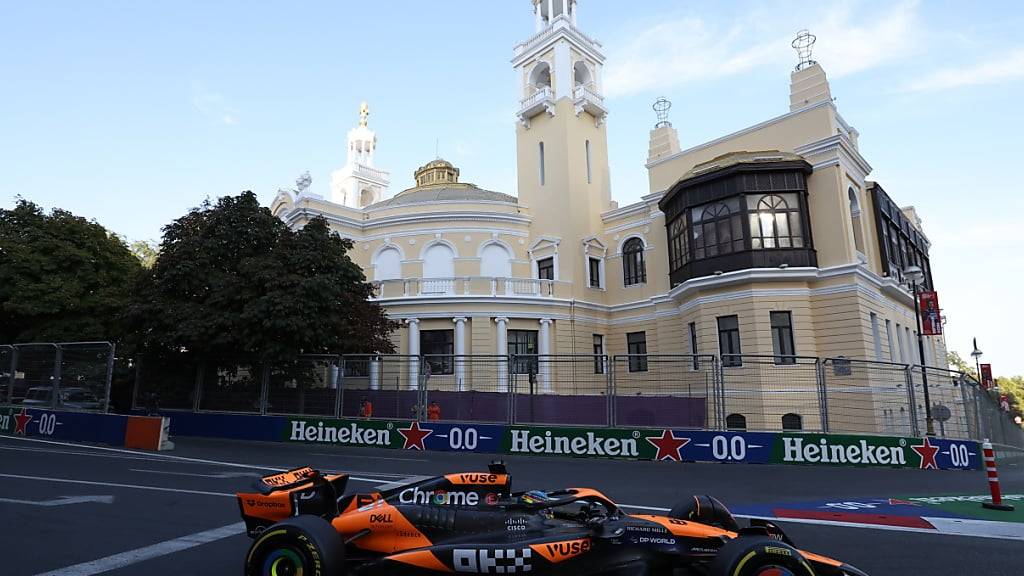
[768,241]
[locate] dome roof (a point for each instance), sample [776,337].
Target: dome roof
[438,181]
[451,193]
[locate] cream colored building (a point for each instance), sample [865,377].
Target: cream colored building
[768,241]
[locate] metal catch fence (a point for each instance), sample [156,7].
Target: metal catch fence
[57,375]
[742,392]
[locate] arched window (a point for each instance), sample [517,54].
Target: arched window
[438,269]
[858,234]
[736,422]
[495,261]
[581,74]
[366,198]
[792,421]
[540,76]
[633,269]
[717,229]
[387,265]
[775,221]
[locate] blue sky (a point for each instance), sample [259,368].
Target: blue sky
[132,112]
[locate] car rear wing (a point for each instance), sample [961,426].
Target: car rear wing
[282,494]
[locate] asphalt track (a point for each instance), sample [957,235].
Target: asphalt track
[79,510]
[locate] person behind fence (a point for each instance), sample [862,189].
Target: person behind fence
[365,408]
[434,411]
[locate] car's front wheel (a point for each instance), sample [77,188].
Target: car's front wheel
[759,556]
[300,546]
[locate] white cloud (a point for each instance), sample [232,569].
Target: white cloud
[992,71]
[212,104]
[678,51]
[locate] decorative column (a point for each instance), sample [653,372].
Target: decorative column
[544,345]
[502,350]
[460,351]
[538,18]
[572,11]
[414,350]
[551,11]
[565,8]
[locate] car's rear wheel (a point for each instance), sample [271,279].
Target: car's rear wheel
[706,510]
[300,546]
[759,556]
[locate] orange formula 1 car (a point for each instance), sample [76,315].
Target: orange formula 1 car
[303,524]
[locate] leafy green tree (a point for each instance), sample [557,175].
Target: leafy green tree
[146,251]
[957,363]
[62,277]
[231,279]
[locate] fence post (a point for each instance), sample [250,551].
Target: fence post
[14,374]
[908,374]
[720,376]
[823,395]
[339,384]
[200,376]
[511,383]
[58,359]
[110,375]
[610,386]
[265,385]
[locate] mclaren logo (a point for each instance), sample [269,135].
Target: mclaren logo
[495,561]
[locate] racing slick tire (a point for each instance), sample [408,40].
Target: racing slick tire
[706,510]
[304,545]
[759,556]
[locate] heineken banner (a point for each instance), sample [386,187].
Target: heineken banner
[592,442]
[887,451]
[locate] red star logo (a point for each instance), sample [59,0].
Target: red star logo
[927,453]
[21,421]
[414,436]
[668,445]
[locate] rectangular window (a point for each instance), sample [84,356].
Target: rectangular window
[782,337]
[636,347]
[546,269]
[588,162]
[693,345]
[910,346]
[437,346]
[594,267]
[598,354]
[899,340]
[541,149]
[523,344]
[876,336]
[888,337]
[729,340]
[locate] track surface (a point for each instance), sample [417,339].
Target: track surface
[174,513]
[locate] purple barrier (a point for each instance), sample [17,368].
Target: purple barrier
[662,411]
[473,406]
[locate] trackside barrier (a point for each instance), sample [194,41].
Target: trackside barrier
[143,432]
[674,444]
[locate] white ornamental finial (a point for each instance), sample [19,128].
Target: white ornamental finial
[661,107]
[364,113]
[303,182]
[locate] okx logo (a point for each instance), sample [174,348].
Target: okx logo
[494,561]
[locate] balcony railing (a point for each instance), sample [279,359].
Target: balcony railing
[543,100]
[371,172]
[560,21]
[470,286]
[587,99]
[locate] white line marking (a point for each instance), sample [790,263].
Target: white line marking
[347,456]
[211,475]
[61,501]
[137,555]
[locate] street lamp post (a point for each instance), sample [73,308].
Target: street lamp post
[916,275]
[976,354]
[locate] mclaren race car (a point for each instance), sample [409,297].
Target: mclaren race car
[304,524]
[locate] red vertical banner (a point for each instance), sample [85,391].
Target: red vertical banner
[986,376]
[931,318]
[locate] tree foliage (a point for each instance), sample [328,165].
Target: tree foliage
[146,251]
[232,279]
[1012,386]
[62,277]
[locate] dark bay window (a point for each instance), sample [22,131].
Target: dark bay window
[782,337]
[438,346]
[523,343]
[900,242]
[748,214]
[633,269]
[729,340]
[636,347]
[546,269]
[594,269]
